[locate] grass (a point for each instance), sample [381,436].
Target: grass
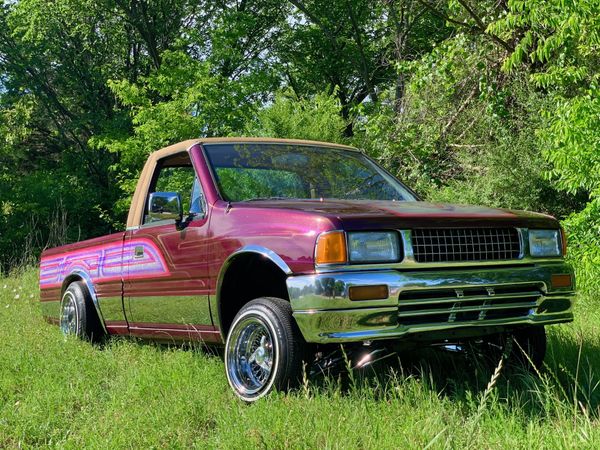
[65,393]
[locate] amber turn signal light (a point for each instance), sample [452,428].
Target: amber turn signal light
[378,292]
[331,248]
[561,280]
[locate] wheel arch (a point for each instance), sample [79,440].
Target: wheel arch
[259,260]
[84,277]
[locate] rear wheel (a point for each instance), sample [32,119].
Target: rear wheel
[77,313]
[264,349]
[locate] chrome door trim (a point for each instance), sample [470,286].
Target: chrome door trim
[157,310]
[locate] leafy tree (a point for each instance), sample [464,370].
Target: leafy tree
[352,47]
[493,102]
[559,40]
[317,118]
[181,100]
[56,59]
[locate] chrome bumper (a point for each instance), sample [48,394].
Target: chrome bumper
[425,303]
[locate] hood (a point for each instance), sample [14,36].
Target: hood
[367,214]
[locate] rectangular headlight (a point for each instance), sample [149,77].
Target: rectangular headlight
[373,246]
[544,243]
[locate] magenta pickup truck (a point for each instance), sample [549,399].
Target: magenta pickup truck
[278,249]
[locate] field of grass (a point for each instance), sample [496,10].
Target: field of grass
[69,394]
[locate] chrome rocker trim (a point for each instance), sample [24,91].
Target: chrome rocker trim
[325,314]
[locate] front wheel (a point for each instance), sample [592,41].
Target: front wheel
[264,349]
[527,348]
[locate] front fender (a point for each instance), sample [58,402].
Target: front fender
[263,252]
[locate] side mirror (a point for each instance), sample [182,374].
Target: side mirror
[165,206]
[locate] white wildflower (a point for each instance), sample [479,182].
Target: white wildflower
[17,296]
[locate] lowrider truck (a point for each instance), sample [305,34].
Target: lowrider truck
[276,248]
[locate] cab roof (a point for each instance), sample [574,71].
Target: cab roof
[185,145]
[136,209]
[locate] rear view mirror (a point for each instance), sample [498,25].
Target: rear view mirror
[165,206]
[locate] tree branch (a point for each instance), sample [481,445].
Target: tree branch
[483,27]
[480,28]
[462,107]
[363,59]
[444,16]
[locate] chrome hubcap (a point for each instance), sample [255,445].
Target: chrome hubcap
[68,316]
[250,356]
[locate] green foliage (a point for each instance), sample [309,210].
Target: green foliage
[561,34]
[56,60]
[573,143]
[181,100]
[466,133]
[562,38]
[244,184]
[316,118]
[478,102]
[584,245]
[412,138]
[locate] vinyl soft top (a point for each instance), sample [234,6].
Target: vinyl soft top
[185,145]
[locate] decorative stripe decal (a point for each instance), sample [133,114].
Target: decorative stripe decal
[105,263]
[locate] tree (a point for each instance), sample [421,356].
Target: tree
[352,48]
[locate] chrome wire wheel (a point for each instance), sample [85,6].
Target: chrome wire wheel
[251,356]
[69,319]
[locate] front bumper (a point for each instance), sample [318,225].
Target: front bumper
[425,304]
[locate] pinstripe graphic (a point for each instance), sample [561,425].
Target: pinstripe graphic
[105,263]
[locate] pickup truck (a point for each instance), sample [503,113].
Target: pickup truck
[277,249]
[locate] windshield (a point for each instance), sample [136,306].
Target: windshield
[255,171]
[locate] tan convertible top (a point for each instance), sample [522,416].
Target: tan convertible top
[137,207]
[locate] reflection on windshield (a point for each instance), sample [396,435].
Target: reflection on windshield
[253,171]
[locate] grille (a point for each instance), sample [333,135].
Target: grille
[465,244]
[467,305]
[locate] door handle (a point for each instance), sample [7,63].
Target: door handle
[138,252]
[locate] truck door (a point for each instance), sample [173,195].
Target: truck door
[166,272]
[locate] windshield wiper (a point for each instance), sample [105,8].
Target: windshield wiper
[267,198]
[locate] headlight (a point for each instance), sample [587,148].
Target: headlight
[544,243]
[373,247]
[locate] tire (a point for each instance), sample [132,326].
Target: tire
[528,348]
[78,315]
[264,349]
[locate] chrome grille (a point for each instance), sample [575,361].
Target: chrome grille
[465,244]
[476,304]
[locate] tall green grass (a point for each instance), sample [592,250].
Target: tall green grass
[61,392]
